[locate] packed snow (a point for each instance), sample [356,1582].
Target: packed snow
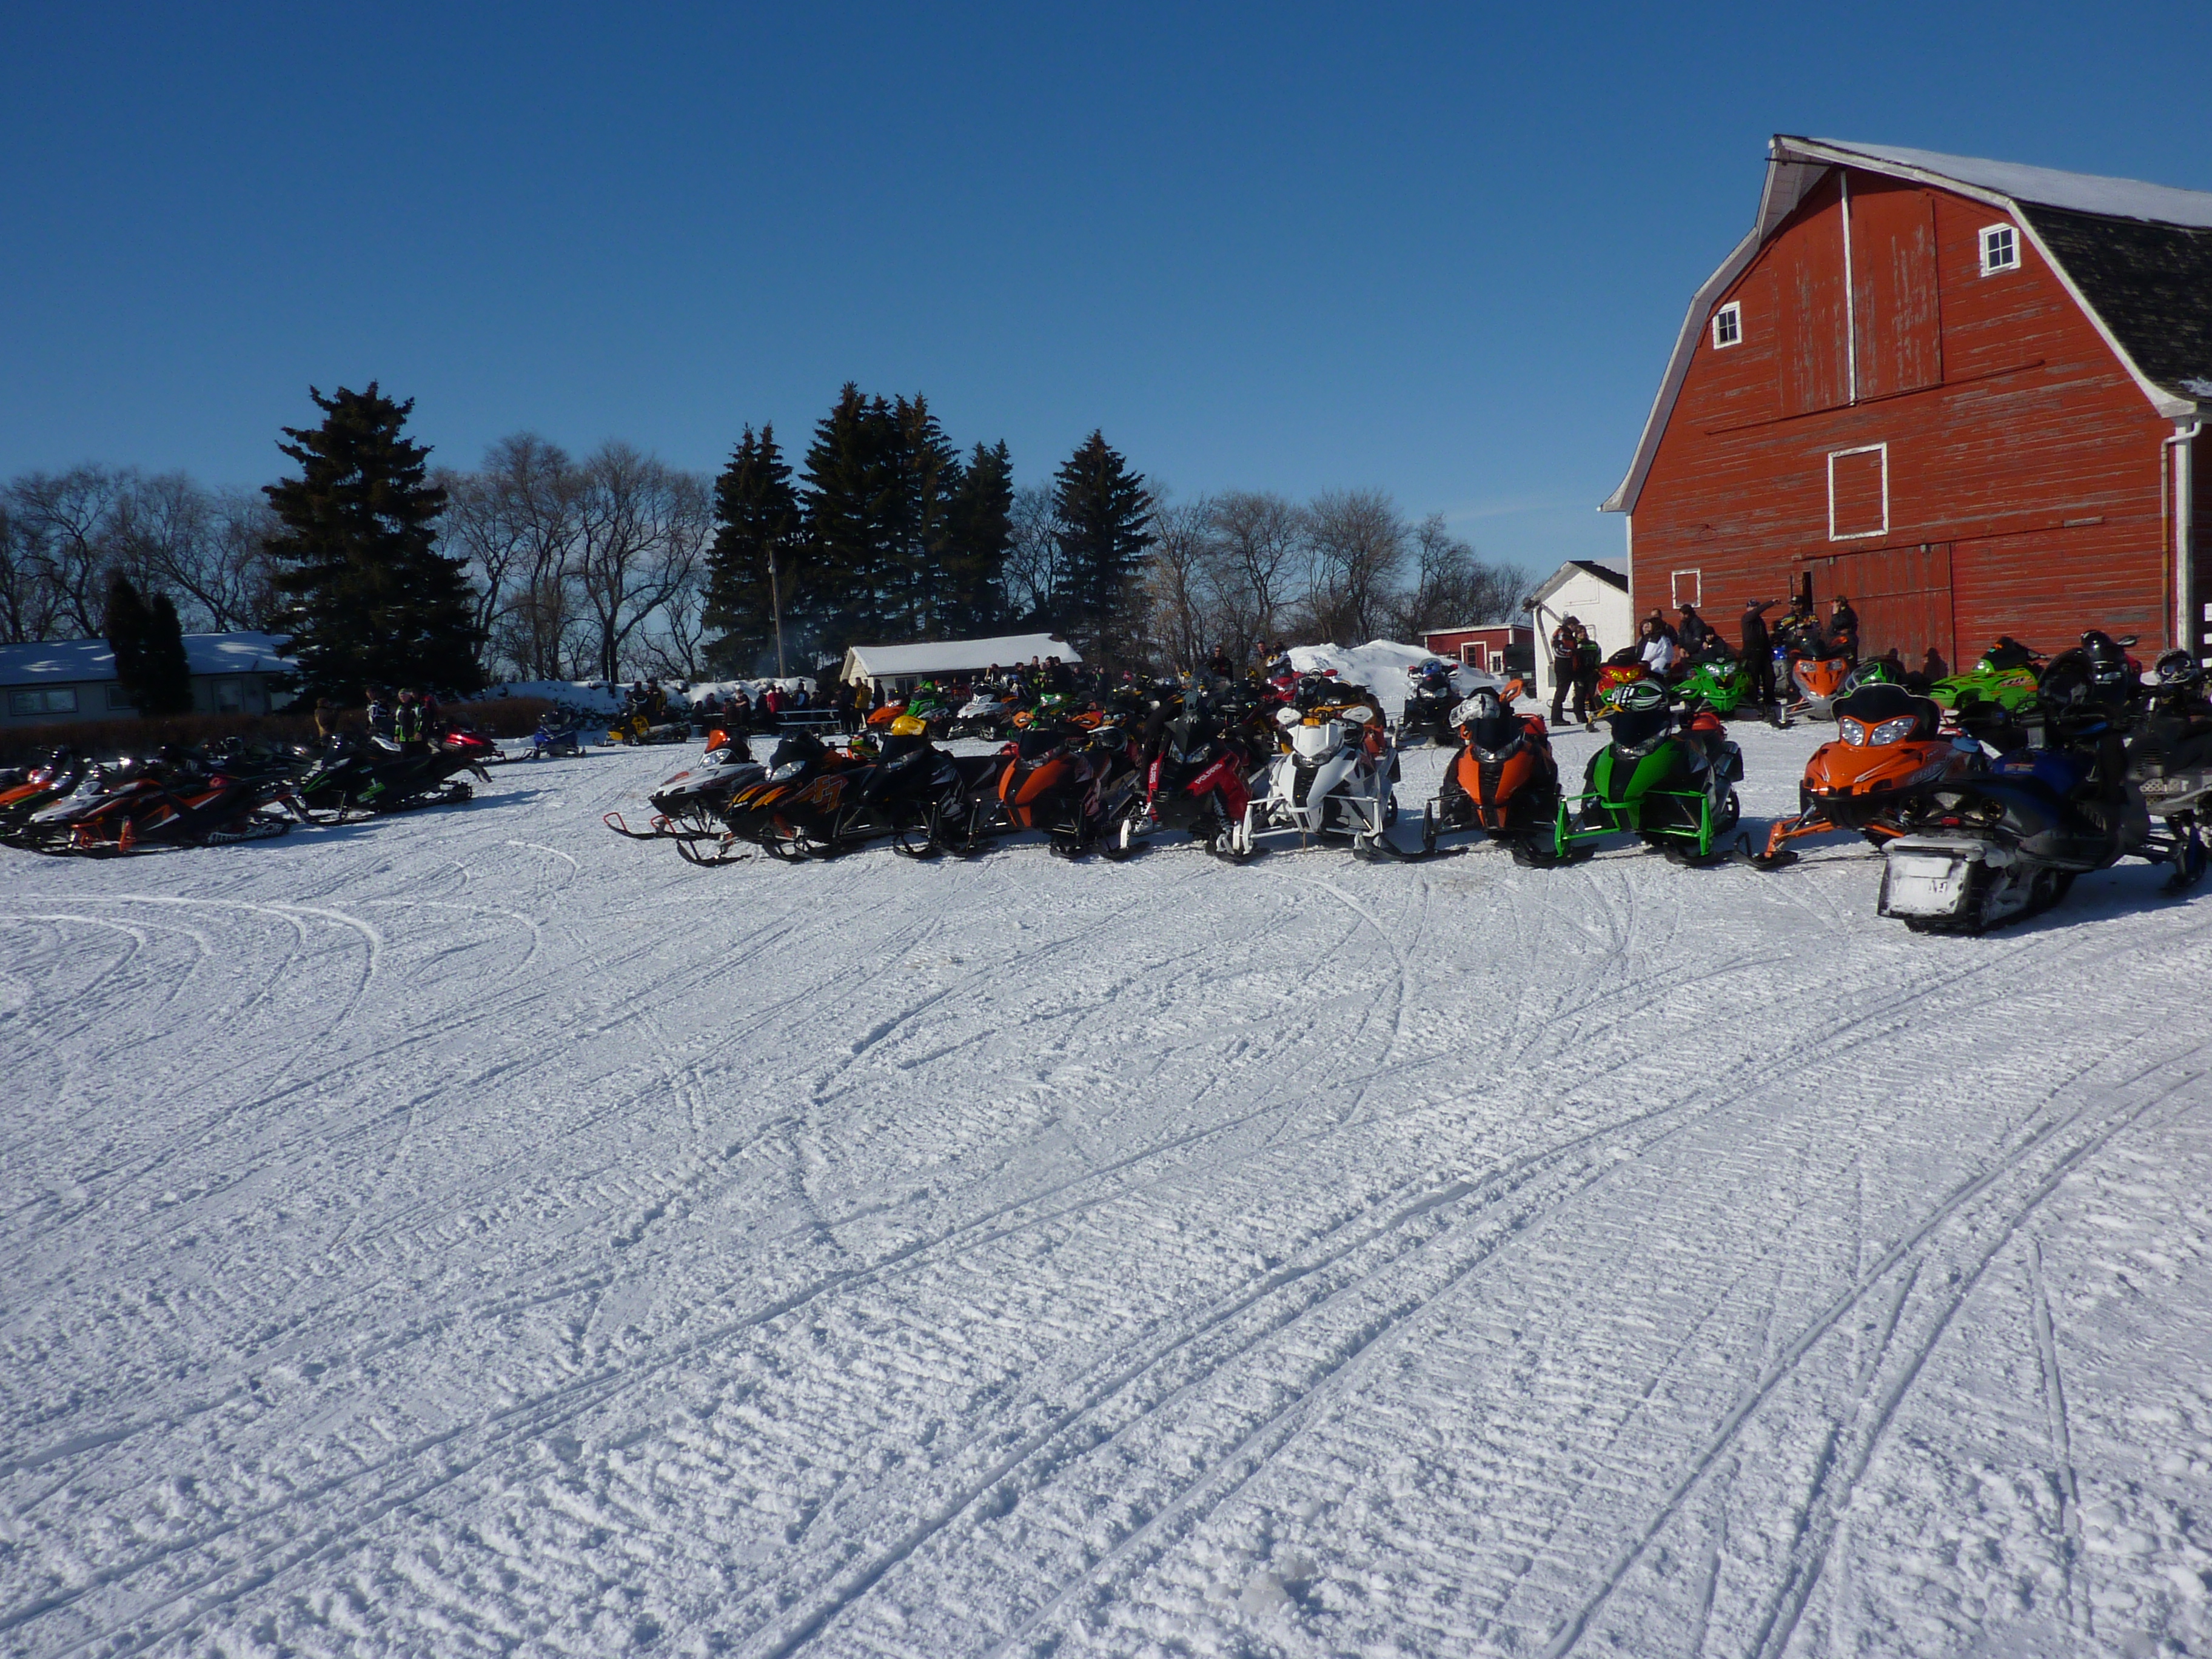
[471,1233]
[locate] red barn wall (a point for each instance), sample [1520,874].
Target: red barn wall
[2023,459]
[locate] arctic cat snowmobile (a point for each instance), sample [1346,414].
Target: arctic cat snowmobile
[167,802]
[1623,668]
[560,732]
[986,714]
[1817,681]
[2170,763]
[1504,782]
[2005,676]
[1718,680]
[637,727]
[2009,842]
[1671,787]
[1194,773]
[935,802]
[810,804]
[1888,751]
[688,806]
[41,786]
[1331,778]
[1430,696]
[1069,781]
[355,776]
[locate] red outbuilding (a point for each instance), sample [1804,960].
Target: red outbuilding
[1964,394]
[1496,648]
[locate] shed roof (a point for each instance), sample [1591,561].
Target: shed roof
[72,662]
[1566,573]
[2136,255]
[951,656]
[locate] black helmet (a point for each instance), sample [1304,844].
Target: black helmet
[2107,663]
[2176,671]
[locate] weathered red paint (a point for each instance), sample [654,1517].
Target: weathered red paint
[2023,461]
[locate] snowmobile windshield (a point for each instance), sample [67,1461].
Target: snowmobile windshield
[1639,728]
[1872,705]
[796,749]
[1037,742]
[1495,732]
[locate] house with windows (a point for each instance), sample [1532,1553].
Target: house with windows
[1967,395]
[64,680]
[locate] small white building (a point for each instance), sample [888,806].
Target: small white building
[58,681]
[899,667]
[1596,594]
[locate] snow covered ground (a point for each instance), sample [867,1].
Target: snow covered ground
[475,1233]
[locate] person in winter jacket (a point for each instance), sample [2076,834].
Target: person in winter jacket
[1658,648]
[1566,642]
[407,725]
[1759,652]
[1694,632]
[1844,628]
[379,712]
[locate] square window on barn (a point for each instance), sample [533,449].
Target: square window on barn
[1727,324]
[2000,249]
[1858,493]
[1686,587]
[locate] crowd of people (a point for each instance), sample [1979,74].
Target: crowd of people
[1669,650]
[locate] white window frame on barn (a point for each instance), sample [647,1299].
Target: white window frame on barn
[1695,579]
[1727,324]
[2000,246]
[1835,455]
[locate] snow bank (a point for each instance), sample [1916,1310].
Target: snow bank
[595,694]
[1381,666]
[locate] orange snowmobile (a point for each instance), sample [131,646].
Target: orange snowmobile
[1887,753]
[1503,781]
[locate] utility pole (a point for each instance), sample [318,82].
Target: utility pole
[775,604]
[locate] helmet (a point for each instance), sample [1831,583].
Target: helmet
[1483,705]
[1640,696]
[909,726]
[2176,671]
[2108,663]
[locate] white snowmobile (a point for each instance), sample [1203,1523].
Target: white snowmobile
[1331,778]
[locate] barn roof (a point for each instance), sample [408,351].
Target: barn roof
[951,656]
[2136,256]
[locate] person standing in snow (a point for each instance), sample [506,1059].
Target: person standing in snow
[379,712]
[1759,652]
[1567,644]
[407,728]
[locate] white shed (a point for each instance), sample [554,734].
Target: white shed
[899,667]
[1596,594]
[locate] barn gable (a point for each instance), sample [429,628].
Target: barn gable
[2134,256]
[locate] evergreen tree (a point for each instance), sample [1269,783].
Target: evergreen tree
[1102,519]
[981,530]
[752,564]
[376,602]
[128,623]
[166,672]
[856,511]
[933,476]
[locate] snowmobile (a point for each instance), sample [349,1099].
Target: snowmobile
[1193,777]
[934,802]
[986,714]
[637,727]
[806,805]
[2170,763]
[1429,699]
[2005,676]
[1331,777]
[1503,781]
[2007,842]
[560,732]
[40,787]
[1069,782]
[1818,681]
[1625,667]
[166,802]
[1718,680]
[1888,751]
[1671,787]
[363,775]
[687,807]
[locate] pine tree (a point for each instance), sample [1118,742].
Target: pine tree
[753,573]
[1101,516]
[933,476]
[128,622]
[856,509]
[166,672]
[981,530]
[376,602]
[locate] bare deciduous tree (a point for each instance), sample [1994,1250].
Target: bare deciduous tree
[1259,539]
[515,520]
[642,529]
[1357,543]
[1031,574]
[1179,581]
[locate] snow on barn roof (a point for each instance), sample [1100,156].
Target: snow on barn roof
[72,662]
[2136,256]
[950,656]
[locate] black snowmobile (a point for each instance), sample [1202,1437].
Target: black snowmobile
[357,777]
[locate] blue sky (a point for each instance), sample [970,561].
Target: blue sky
[1439,250]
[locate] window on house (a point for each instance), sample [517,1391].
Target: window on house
[42,702]
[228,697]
[1727,324]
[2000,249]
[1858,492]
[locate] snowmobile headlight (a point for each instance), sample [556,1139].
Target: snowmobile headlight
[1854,732]
[788,769]
[1896,730]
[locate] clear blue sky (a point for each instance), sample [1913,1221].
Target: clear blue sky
[1442,251]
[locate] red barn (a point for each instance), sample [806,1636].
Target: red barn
[1965,394]
[1497,647]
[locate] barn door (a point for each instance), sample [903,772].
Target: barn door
[1903,595]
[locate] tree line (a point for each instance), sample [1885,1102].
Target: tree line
[539,565]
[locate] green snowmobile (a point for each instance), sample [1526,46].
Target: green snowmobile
[1718,680]
[1671,787]
[2005,676]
